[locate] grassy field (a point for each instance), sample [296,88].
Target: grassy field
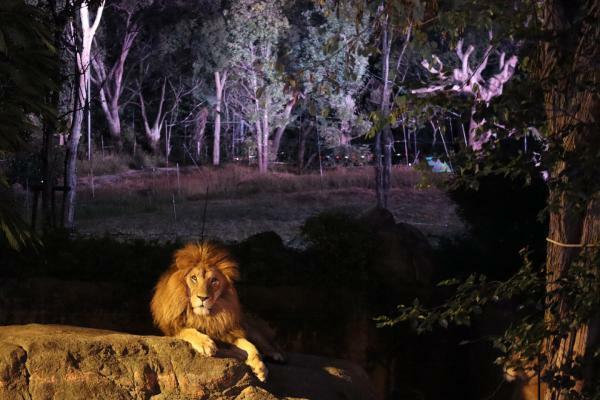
[168,203]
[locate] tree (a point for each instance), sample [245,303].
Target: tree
[28,76]
[220,80]
[327,60]
[110,78]
[211,56]
[256,28]
[560,303]
[468,80]
[395,22]
[569,76]
[81,39]
[152,129]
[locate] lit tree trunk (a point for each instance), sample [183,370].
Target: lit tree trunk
[259,146]
[199,128]
[263,142]
[110,84]
[83,75]
[383,139]
[153,131]
[220,81]
[572,116]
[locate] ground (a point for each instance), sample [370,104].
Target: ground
[168,203]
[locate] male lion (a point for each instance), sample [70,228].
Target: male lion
[195,300]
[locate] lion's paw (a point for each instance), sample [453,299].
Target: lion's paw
[261,372]
[258,367]
[206,347]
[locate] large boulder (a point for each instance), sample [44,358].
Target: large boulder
[403,254]
[66,362]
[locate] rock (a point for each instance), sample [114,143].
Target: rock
[66,362]
[377,218]
[404,255]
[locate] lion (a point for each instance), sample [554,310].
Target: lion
[196,300]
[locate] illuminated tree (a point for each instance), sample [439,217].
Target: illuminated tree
[256,28]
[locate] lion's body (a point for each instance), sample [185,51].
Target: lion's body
[195,300]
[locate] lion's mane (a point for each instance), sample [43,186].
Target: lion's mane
[170,306]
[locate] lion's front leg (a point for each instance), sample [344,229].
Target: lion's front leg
[253,361]
[199,341]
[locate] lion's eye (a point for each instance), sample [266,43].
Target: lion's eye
[214,281]
[194,279]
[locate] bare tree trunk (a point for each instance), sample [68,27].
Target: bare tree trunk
[199,128]
[110,84]
[219,85]
[383,139]
[265,141]
[153,131]
[572,114]
[83,74]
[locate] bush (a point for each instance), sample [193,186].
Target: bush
[341,245]
[107,164]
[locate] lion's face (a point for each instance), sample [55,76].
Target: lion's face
[197,291]
[205,285]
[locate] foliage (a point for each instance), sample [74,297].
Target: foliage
[255,30]
[329,60]
[526,293]
[27,75]
[547,310]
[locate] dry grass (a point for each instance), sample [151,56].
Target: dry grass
[163,204]
[236,180]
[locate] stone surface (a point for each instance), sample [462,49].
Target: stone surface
[403,254]
[66,362]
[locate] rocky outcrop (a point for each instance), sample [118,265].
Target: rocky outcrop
[403,253]
[65,362]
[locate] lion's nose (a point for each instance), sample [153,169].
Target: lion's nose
[202,298]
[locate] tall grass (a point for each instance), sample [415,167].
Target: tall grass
[234,180]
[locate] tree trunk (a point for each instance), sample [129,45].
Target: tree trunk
[199,128]
[219,85]
[153,131]
[281,129]
[302,147]
[572,110]
[110,84]
[383,139]
[263,168]
[83,74]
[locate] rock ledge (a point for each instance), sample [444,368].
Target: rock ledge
[67,362]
